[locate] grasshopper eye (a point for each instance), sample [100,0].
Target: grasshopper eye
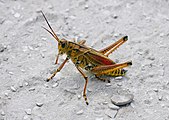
[63,45]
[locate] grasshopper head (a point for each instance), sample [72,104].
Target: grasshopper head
[62,46]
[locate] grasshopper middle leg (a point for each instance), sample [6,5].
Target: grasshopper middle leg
[85,86]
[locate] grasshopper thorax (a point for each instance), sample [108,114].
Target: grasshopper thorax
[62,46]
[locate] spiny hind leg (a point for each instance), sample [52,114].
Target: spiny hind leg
[102,79]
[107,69]
[58,70]
[108,50]
[85,86]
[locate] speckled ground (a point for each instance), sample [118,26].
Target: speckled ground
[27,55]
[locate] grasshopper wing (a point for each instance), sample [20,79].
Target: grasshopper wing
[96,57]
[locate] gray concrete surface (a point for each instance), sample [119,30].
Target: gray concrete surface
[27,55]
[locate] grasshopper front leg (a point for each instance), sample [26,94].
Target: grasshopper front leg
[85,86]
[57,57]
[58,70]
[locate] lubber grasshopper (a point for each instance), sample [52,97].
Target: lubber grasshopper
[95,61]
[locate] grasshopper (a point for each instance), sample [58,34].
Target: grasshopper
[84,57]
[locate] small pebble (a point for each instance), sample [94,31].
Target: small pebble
[11,73]
[5,59]
[72,17]
[2,20]
[89,90]
[78,96]
[113,107]
[2,113]
[17,15]
[86,7]
[26,83]
[28,111]
[20,84]
[160,98]
[55,85]
[122,99]
[67,10]
[108,84]
[30,48]
[119,84]
[155,90]
[26,117]
[13,89]
[79,112]
[39,104]
[42,54]
[118,78]
[116,35]
[31,89]
[132,105]
[105,103]
[46,85]
[6,94]
[44,39]
[22,70]
[50,7]
[161,34]
[2,48]
[151,58]
[115,16]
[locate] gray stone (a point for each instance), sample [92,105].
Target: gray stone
[13,89]
[105,103]
[113,107]
[39,104]
[55,85]
[108,84]
[79,112]
[2,113]
[28,111]
[122,99]
[26,83]
[32,89]
[26,117]
[17,15]
[78,96]
[2,48]
[118,78]
[160,97]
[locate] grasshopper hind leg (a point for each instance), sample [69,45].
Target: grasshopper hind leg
[102,79]
[111,70]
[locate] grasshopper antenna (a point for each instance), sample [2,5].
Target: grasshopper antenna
[52,33]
